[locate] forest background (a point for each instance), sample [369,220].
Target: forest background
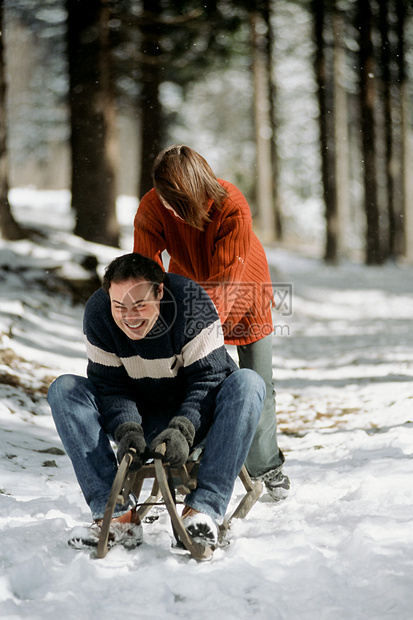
[305,105]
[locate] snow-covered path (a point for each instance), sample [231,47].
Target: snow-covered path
[339,548]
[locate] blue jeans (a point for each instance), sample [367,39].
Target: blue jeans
[75,406]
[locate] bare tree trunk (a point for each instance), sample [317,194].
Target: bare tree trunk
[390,250]
[9,228]
[341,139]
[404,181]
[93,122]
[367,96]
[150,106]
[263,131]
[327,141]
[267,12]
[407,176]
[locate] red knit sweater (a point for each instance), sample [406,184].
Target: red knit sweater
[226,258]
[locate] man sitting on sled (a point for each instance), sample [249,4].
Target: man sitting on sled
[158,372]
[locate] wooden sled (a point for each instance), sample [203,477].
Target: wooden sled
[167,481]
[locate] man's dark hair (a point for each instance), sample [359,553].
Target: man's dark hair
[133,266]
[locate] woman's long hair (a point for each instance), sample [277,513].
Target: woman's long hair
[186,182]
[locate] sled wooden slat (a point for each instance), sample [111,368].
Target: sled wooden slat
[253,493]
[184,480]
[198,551]
[110,506]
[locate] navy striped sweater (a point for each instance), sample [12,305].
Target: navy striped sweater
[175,370]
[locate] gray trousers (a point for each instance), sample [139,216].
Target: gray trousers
[264,453]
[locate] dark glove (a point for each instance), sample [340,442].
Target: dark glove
[178,437]
[130,435]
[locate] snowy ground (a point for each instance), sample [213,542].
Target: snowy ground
[339,548]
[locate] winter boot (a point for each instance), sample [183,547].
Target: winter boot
[125,530]
[200,527]
[276,483]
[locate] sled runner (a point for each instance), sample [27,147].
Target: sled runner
[166,483]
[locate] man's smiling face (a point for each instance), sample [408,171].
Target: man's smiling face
[135,307]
